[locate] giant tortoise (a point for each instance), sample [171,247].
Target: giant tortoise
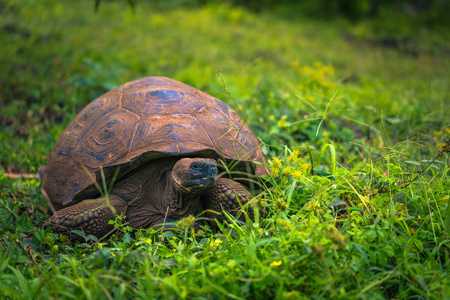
[149,150]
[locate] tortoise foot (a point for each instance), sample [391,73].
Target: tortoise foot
[89,216]
[227,195]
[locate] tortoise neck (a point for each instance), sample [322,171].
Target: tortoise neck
[182,200]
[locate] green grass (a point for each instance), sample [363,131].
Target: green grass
[319,93]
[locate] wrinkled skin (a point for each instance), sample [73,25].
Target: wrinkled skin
[165,189]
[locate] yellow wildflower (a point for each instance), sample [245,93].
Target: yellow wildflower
[215,243]
[275,172]
[329,70]
[305,166]
[281,204]
[186,222]
[275,166]
[339,240]
[297,174]
[282,123]
[287,170]
[276,263]
[284,224]
[276,163]
[312,205]
[293,157]
[98,245]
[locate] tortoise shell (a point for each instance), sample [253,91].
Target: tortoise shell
[138,122]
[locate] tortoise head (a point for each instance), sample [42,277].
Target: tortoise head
[194,175]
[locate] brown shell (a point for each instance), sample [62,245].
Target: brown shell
[137,122]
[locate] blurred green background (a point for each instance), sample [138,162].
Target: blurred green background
[369,72]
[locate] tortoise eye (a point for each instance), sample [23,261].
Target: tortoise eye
[196,167]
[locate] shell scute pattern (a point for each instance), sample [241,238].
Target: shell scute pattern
[79,126]
[107,140]
[159,132]
[162,102]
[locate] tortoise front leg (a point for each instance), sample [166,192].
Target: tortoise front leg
[90,216]
[227,195]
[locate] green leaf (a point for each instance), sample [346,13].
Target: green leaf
[80,233]
[126,238]
[325,174]
[25,224]
[431,160]
[265,149]
[435,167]
[370,235]
[363,254]
[413,162]
[412,240]
[356,209]
[389,250]
[91,237]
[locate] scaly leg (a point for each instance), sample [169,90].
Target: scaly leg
[90,216]
[224,196]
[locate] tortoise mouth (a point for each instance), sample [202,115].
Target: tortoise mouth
[197,185]
[205,178]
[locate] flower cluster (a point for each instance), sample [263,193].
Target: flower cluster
[294,156]
[284,224]
[445,147]
[439,136]
[276,166]
[186,222]
[280,204]
[318,74]
[292,168]
[339,240]
[215,243]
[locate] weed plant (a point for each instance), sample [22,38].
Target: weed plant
[357,137]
